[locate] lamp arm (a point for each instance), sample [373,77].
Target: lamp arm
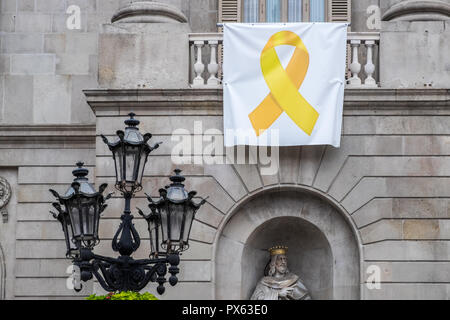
[147,263]
[98,259]
[149,276]
[104,269]
[155,146]
[102,278]
[86,255]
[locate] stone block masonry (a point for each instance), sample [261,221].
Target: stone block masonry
[389,180]
[46,126]
[381,200]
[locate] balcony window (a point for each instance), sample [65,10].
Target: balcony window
[295,10]
[317,11]
[284,10]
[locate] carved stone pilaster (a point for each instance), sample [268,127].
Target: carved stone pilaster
[5,196]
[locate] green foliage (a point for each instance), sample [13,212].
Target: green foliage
[124,295]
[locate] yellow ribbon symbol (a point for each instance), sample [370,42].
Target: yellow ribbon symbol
[284,86]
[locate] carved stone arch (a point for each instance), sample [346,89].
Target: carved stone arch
[325,246]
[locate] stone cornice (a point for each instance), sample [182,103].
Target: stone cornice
[104,99]
[75,134]
[113,101]
[208,101]
[397,98]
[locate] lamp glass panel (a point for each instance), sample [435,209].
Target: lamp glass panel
[118,158]
[164,223]
[132,163]
[75,220]
[132,135]
[86,222]
[189,218]
[177,193]
[142,165]
[96,214]
[69,235]
[88,218]
[155,234]
[176,220]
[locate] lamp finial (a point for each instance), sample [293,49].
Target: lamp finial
[132,122]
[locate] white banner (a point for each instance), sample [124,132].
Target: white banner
[284,83]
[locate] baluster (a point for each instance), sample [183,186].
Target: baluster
[355,66]
[369,68]
[213,66]
[199,67]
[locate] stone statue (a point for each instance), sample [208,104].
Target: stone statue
[280,284]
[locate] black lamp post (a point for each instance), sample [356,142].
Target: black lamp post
[169,222]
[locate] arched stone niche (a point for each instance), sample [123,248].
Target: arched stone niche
[309,254]
[323,248]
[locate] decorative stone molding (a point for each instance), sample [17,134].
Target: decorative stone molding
[210,101]
[5,196]
[149,12]
[418,10]
[58,136]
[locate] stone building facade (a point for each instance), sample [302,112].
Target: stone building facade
[379,202]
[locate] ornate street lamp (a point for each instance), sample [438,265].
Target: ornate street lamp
[130,152]
[172,216]
[80,218]
[169,222]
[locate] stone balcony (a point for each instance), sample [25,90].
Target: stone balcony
[142,51]
[362,60]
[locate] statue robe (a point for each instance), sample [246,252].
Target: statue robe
[268,288]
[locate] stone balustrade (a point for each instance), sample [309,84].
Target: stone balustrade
[205,45]
[370,42]
[362,66]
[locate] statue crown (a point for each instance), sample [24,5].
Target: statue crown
[278,250]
